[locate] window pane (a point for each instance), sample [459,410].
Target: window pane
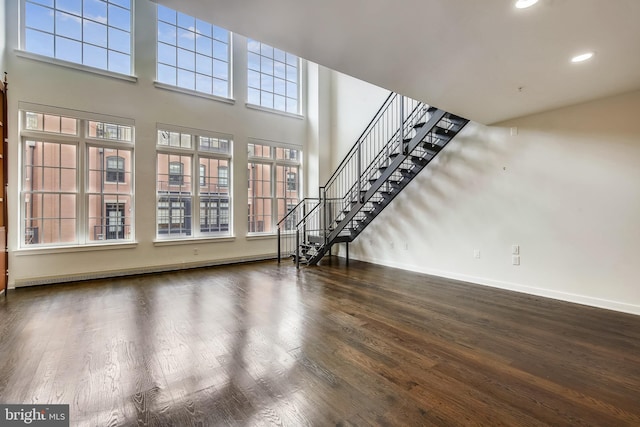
[51,123]
[198,43]
[253,96]
[204,84]
[186,21]
[167,33]
[68,26]
[254,61]
[68,50]
[95,33]
[266,82]
[95,10]
[185,140]
[38,17]
[71,30]
[71,6]
[95,56]
[119,40]
[220,87]
[220,50]
[110,131]
[203,28]
[279,55]
[204,46]
[279,87]
[186,39]
[292,105]
[119,63]
[167,74]
[253,46]
[203,65]
[119,18]
[272,77]
[124,3]
[48,193]
[68,126]
[220,70]
[186,79]
[186,60]
[221,34]
[266,99]
[279,103]
[167,54]
[38,42]
[34,121]
[167,15]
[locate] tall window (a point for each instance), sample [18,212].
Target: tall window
[273,78]
[96,33]
[193,54]
[193,171]
[73,198]
[272,170]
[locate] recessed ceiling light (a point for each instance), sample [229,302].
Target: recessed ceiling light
[523,4]
[582,57]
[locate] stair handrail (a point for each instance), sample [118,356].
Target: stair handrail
[362,136]
[391,142]
[292,211]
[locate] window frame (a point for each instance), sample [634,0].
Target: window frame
[83,193]
[273,76]
[129,75]
[274,164]
[228,97]
[194,197]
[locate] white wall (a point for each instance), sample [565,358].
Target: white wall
[2,37]
[353,104]
[566,188]
[43,83]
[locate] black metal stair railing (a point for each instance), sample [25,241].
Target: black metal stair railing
[402,138]
[288,226]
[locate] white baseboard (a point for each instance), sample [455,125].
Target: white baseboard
[49,280]
[547,293]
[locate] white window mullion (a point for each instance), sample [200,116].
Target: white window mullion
[83,198]
[195,194]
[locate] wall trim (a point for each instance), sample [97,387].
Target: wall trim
[510,286]
[105,274]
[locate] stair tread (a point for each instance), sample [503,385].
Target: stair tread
[356,212]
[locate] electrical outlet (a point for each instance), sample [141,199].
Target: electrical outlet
[515,249]
[406,246]
[391,245]
[476,253]
[195,251]
[515,260]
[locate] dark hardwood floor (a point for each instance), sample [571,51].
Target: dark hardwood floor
[264,344]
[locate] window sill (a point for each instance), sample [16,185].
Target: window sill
[193,240]
[262,236]
[178,89]
[46,250]
[80,67]
[272,111]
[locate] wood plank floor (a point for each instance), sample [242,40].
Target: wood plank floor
[264,344]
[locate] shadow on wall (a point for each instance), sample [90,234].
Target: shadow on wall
[466,168]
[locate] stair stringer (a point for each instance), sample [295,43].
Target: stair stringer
[337,234]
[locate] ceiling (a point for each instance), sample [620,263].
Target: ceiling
[484,60]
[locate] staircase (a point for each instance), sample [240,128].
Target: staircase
[401,140]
